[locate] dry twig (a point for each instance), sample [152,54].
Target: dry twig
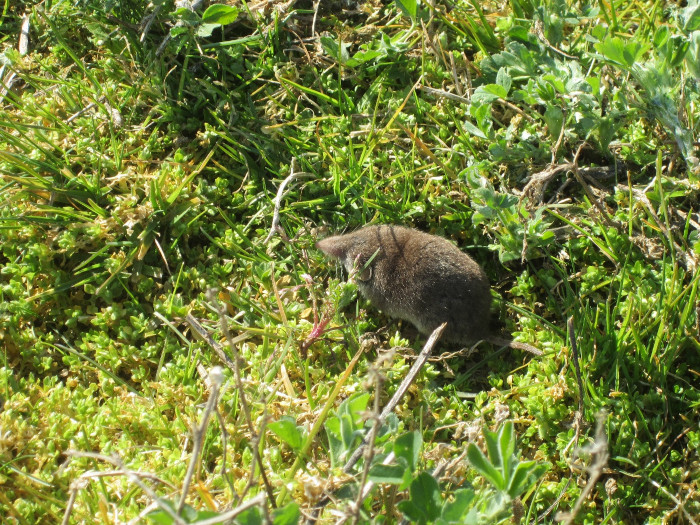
[216,379]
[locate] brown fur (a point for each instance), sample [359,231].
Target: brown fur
[420,278]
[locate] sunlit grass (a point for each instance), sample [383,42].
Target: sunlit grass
[140,166]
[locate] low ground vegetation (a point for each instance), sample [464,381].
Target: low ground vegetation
[165,171]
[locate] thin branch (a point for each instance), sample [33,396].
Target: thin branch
[371,438]
[577,366]
[216,379]
[200,332]
[241,392]
[134,477]
[403,387]
[599,453]
[276,228]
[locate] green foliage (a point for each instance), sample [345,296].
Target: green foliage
[188,514]
[509,476]
[345,428]
[142,147]
[288,432]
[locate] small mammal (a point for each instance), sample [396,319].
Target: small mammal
[420,278]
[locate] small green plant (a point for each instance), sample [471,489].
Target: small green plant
[141,149]
[509,476]
[519,233]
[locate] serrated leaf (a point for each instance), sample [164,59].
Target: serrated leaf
[489,93]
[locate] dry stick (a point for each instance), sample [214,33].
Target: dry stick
[365,488]
[516,345]
[538,29]
[224,451]
[403,387]
[463,100]
[679,504]
[577,366]
[220,518]
[216,379]
[589,192]
[199,330]
[133,476]
[363,492]
[147,22]
[275,228]
[227,516]
[316,427]
[255,445]
[316,5]
[599,452]
[371,438]
[23,43]
[578,417]
[241,392]
[539,181]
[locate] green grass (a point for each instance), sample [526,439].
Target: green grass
[137,174]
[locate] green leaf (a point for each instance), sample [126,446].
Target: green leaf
[526,473]
[472,129]
[425,499]
[489,93]
[504,80]
[408,446]
[624,54]
[485,467]
[458,510]
[690,17]
[412,511]
[335,48]
[393,474]
[506,441]
[408,8]
[554,117]
[220,14]
[361,57]
[345,427]
[287,515]
[286,429]
[493,448]
[205,30]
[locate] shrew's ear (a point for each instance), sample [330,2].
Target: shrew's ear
[361,268]
[364,273]
[365,266]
